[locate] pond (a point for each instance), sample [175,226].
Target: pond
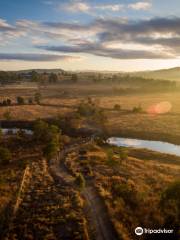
[15,130]
[158,146]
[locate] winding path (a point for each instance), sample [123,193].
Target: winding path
[94,205]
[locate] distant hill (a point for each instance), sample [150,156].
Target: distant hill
[42,70]
[166,74]
[172,74]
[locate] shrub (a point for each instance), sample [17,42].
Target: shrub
[50,150]
[137,109]
[110,154]
[7,115]
[46,133]
[123,154]
[170,203]
[30,101]
[40,128]
[80,181]
[111,160]
[86,109]
[37,97]
[8,101]
[20,100]
[127,193]
[117,107]
[5,155]
[74,78]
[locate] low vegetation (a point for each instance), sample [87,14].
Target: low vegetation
[55,182]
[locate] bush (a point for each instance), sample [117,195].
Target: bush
[5,155]
[44,132]
[170,203]
[86,109]
[117,107]
[127,193]
[8,101]
[80,181]
[7,115]
[37,97]
[40,129]
[50,150]
[137,109]
[172,192]
[30,101]
[123,154]
[74,78]
[20,100]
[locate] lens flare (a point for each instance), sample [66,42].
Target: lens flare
[160,108]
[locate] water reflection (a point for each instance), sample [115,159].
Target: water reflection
[162,147]
[16,130]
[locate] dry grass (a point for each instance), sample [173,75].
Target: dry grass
[63,98]
[31,112]
[148,178]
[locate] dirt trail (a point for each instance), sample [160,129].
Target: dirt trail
[98,215]
[94,208]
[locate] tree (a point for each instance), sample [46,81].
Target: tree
[40,130]
[5,155]
[74,78]
[80,181]
[50,150]
[137,109]
[20,100]
[34,76]
[54,134]
[8,101]
[86,109]
[53,78]
[37,97]
[30,101]
[117,107]
[7,115]
[45,133]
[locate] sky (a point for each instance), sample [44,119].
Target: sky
[116,35]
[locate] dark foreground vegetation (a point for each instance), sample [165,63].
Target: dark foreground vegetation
[39,201]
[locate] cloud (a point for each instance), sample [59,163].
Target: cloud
[101,50]
[9,32]
[161,34]
[4,26]
[81,6]
[112,37]
[76,6]
[110,7]
[84,7]
[140,5]
[34,57]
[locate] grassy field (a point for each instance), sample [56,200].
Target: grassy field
[128,186]
[62,99]
[105,191]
